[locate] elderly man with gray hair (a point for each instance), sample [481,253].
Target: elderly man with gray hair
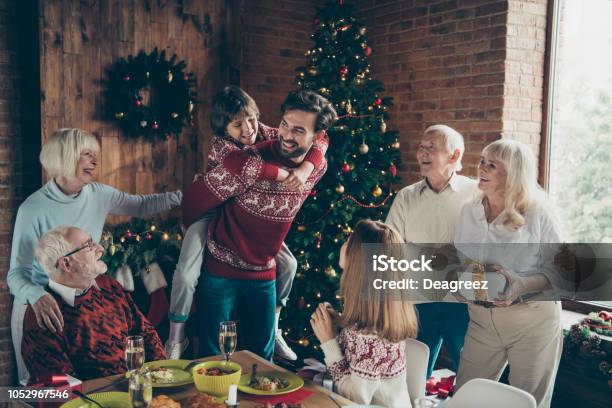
[428,212]
[98,314]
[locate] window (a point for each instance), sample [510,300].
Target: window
[579,125]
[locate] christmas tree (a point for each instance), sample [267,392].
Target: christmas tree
[363,158]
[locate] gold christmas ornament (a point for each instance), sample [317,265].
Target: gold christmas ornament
[324,90]
[359,81]
[190,107]
[169,77]
[313,70]
[301,228]
[377,191]
[362,30]
[302,75]
[330,272]
[363,148]
[370,108]
[153,228]
[112,249]
[383,126]
[349,107]
[165,237]
[339,189]
[119,115]
[304,342]
[396,144]
[364,45]
[174,115]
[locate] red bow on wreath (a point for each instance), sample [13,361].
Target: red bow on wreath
[443,388]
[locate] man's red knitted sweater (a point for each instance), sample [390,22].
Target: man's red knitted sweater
[93,341]
[257,213]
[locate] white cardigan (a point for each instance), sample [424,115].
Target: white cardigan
[367,369]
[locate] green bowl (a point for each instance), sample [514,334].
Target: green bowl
[216,385]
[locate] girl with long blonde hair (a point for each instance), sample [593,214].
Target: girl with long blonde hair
[366,358]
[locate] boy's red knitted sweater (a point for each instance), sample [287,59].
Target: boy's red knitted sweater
[257,213]
[93,341]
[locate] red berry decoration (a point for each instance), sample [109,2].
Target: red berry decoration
[378,101]
[346,168]
[368,51]
[148,236]
[313,193]
[138,103]
[393,170]
[343,70]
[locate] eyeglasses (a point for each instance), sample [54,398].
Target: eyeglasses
[88,245]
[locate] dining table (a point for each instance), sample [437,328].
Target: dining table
[320,397]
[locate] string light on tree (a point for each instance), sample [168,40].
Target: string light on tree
[346,193]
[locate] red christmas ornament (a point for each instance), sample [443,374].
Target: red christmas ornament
[343,70]
[301,303]
[155,125]
[128,234]
[344,28]
[313,193]
[148,236]
[138,102]
[368,51]
[378,101]
[346,168]
[393,170]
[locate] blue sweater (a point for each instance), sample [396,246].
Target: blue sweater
[49,207]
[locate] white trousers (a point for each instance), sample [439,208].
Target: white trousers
[17,316]
[527,336]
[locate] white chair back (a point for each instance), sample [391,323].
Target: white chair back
[417,357]
[483,393]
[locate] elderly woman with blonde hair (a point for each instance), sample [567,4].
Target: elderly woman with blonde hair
[70,197]
[527,335]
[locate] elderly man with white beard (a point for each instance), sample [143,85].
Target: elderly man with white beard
[98,314]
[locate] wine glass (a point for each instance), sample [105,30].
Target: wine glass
[141,388]
[227,338]
[134,353]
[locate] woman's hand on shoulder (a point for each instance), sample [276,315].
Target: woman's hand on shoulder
[48,314]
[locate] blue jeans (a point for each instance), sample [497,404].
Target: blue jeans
[255,303]
[442,321]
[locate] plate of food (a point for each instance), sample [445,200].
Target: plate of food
[169,373]
[270,383]
[111,399]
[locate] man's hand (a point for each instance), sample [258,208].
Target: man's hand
[48,314]
[322,324]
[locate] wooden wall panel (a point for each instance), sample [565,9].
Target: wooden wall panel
[81,39]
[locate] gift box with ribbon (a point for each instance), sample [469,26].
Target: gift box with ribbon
[59,382]
[443,388]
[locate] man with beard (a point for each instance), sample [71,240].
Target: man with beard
[98,314]
[255,216]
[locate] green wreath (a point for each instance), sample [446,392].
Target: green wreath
[151,96]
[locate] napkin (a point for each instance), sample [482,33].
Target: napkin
[294,397]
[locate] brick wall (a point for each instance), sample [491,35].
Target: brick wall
[525,47]
[276,34]
[443,62]
[19,144]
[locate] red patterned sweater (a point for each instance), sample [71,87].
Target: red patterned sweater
[368,369]
[257,213]
[93,341]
